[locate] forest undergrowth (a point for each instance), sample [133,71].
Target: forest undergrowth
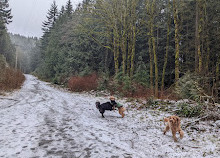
[10,79]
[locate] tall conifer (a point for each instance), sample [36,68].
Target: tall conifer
[52,16]
[69,8]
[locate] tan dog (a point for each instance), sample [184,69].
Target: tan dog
[120,107]
[121,111]
[174,125]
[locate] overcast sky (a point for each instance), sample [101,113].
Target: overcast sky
[28,15]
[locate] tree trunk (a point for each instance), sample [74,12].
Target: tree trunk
[156,67]
[196,36]
[175,12]
[217,69]
[154,48]
[133,51]
[150,47]
[199,35]
[124,32]
[167,48]
[207,41]
[116,52]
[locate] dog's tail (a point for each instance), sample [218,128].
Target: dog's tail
[178,121]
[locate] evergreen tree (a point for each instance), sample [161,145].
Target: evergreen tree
[69,8]
[5,12]
[6,47]
[5,15]
[48,25]
[52,16]
[62,11]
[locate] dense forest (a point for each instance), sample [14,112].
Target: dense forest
[10,77]
[7,50]
[133,45]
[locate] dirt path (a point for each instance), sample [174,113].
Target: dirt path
[42,121]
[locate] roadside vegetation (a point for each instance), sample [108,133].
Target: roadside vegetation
[10,76]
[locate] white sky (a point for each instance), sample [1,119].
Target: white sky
[28,15]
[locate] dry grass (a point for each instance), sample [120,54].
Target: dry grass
[10,79]
[86,83]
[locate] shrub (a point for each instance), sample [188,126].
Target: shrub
[188,87]
[122,85]
[103,81]
[2,62]
[189,110]
[85,83]
[118,78]
[86,71]
[141,75]
[150,102]
[11,79]
[127,85]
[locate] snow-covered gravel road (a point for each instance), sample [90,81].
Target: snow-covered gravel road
[42,121]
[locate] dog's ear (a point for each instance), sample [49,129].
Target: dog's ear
[177,120]
[166,119]
[97,104]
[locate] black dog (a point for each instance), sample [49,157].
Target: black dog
[103,107]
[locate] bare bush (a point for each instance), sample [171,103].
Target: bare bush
[85,83]
[11,79]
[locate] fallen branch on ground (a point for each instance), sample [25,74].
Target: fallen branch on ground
[195,121]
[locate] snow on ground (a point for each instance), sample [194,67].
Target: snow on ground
[42,121]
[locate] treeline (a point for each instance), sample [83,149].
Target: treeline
[10,78]
[7,50]
[147,44]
